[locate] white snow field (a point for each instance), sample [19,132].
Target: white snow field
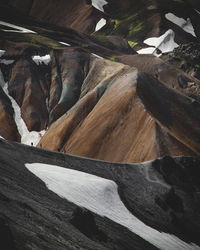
[42,59]
[17,28]
[97,56]
[98,4]
[186,25]
[164,43]
[29,138]
[101,196]
[149,50]
[2,52]
[100,24]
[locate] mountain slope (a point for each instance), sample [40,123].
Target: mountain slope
[69,96]
[162,180]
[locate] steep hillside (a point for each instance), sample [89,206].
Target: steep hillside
[80,92]
[146,206]
[114,87]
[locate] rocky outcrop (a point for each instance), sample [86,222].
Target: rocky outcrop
[186,57]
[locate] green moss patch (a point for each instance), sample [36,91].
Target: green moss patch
[112,58]
[132,44]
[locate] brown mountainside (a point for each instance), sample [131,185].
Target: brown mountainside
[96,95]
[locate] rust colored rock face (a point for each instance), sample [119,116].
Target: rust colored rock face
[117,126]
[108,126]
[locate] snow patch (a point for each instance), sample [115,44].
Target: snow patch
[2,52]
[149,50]
[18,28]
[100,24]
[101,196]
[21,126]
[164,43]
[32,138]
[29,138]
[186,25]
[42,59]
[98,4]
[47,103]
[97,56]
[67,44]
[7,62]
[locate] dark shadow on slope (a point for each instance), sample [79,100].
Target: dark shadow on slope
[6,238]
[84,221]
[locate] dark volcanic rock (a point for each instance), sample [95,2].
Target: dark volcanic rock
[40,219]
[54,223]
[85,222]
[7,240]
[187,57]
